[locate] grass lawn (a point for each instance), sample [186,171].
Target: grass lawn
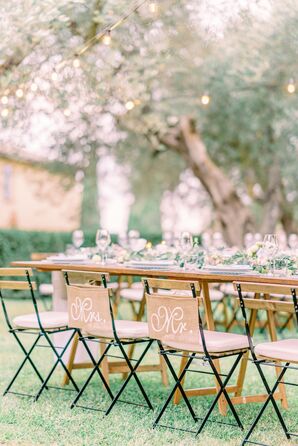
[51,422]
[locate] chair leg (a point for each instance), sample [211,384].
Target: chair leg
[163,371]
[71,359]
[138,315]
[270,398]
[96,369]
[222,390]
[132,374]
[105,370]
[178,381]
[58,361]
[177,395]
[27,358]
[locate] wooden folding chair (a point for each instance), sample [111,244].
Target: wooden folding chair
[175,322]
[91,279]
[90,310]
[40,324]
[275,353]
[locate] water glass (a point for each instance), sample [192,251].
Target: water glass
[77,238]
[270,246]
[103,239]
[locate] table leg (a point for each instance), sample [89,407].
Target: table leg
[222,404]
[244,361]
[273,336]
[281,395]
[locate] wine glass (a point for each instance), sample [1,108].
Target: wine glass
[103,239]
[248,240]
[293,242]
[186,244]
[270,245]
[77,238]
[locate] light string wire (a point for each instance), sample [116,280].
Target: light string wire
[111,27]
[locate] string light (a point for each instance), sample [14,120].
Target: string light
[291,87]
[107,30]
[4,113]
[54,76]
[19,93]
[107,39]
[4,100]
[129,105]
[153,7]
[33,87]
[76,63]
[205,99]
[66,112]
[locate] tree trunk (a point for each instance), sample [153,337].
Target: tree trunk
[272,201]
[231,213]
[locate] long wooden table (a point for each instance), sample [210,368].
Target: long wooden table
[205,278]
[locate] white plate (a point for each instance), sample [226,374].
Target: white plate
[144,263]
[229,267]
[66,259]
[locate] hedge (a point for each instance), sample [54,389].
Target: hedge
[18,245]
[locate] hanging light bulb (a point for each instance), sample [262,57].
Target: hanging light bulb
[205,99]
[4,113]
[19,93]
[33,87]
[291,86]
[129,105]
[66,112]
[107,39]
[4,100]
[153,7]
[76,63]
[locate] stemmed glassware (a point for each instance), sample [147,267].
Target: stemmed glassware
[77,238]
[270,246]
[103,239]
[293,242]
[186,244]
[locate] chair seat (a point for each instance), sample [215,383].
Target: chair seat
[285,349]
[216,295]
[137,285]
[133,294]
[115,285]
[46,289]
[228,289]
[216,342]
[49,319]
[125,330]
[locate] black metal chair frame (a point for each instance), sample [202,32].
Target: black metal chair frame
[115,342]
[40,333]
[207,358]
[263,362]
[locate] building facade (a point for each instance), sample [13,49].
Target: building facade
[32,197]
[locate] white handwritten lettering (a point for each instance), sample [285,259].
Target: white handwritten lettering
[168,320]
[82,310]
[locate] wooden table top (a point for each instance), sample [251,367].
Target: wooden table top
[118,270]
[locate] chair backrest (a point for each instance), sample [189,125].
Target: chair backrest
[272,296]
[90,278]
[89,308]
[21,280]
[174,314]
[17,273]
